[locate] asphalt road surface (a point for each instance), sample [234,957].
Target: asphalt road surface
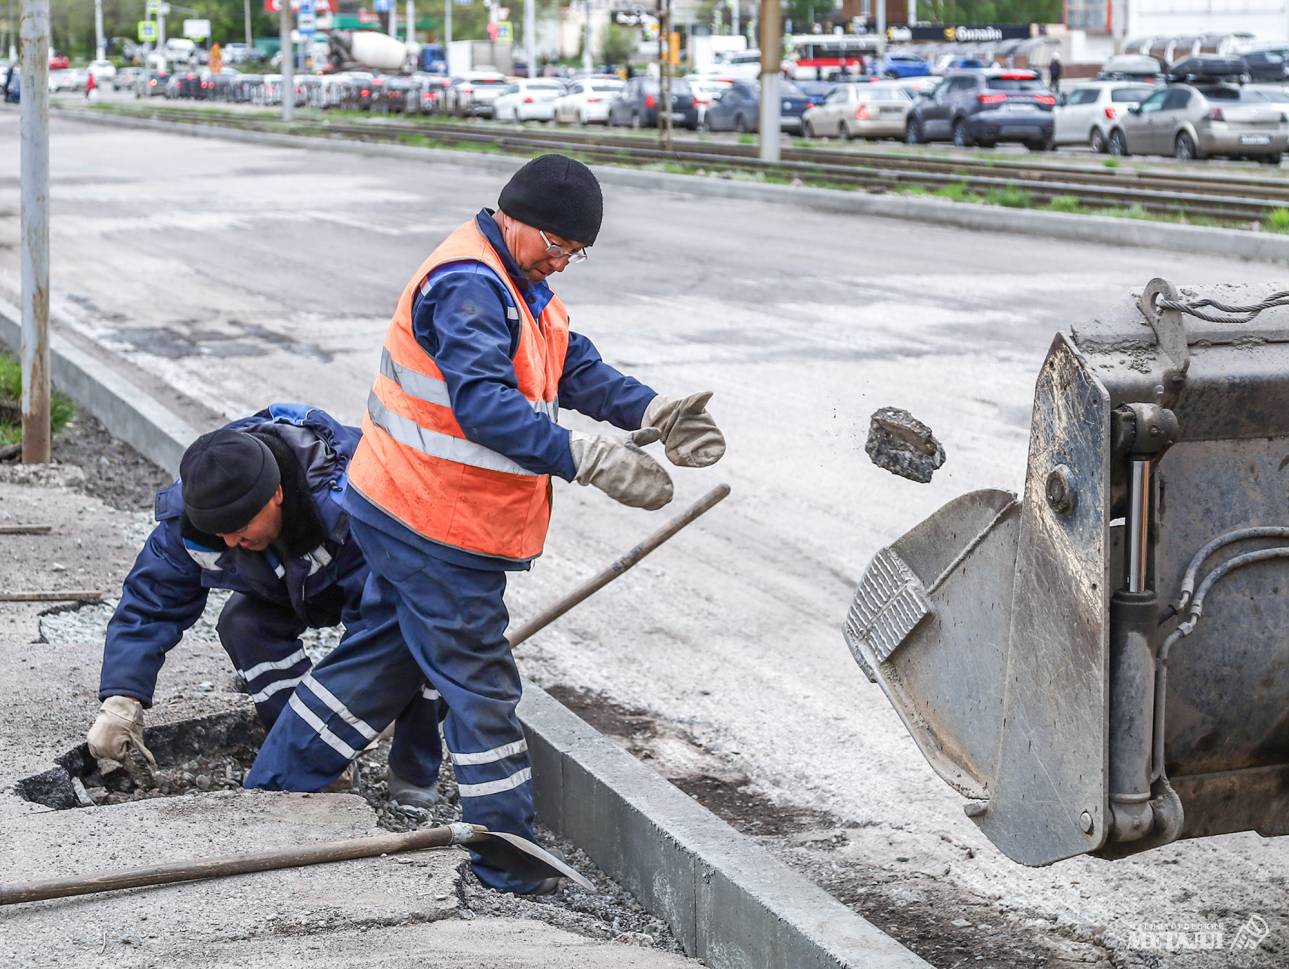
[230,275]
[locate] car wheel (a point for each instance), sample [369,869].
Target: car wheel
[913,132]
[961,138]
[1118,144]
[1045,145]
[807,130]
[1097,142]
[1184,147]
[582,119]
[1270,160]
[740,125]
[843,133]
[635,120]
[986,144]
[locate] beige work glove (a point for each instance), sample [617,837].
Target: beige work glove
[118,727]
[689,433]
[621,469]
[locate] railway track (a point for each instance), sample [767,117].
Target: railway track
[1222,196]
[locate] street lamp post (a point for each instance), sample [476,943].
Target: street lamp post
[771,66]
[288,60]
[34,228]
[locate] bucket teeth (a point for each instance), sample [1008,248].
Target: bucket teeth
[888,605]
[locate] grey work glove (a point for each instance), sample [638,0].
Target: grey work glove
[118,727]
[689,433]
[621,469]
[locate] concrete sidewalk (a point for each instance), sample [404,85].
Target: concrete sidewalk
[391,911]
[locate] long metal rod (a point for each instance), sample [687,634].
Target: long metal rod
[621,565]
[183,871]
[34,34]
[26,529]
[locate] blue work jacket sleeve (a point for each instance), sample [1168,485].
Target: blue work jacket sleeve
[592,387]
[461,322]
[162,597]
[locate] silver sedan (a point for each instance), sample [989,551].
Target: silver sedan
[860,111]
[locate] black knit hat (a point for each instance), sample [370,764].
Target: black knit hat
[228,477]
[558,194]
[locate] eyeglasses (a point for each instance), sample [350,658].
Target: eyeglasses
[559,252]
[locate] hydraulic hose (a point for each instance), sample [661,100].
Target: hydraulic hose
[1239,535]
[1196,610]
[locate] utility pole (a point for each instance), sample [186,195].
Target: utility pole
[881,38]
[530,37]
[288,60]
[447,27]
[409,15]
[586,40]
[100,45]
[913,12]
[734,19]
[393,19]
[162,10]
[664,74]
[34,37]
[771,67]
[246,19]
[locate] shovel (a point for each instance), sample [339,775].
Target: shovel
[511,853]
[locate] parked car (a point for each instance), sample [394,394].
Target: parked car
[1086,113]
[1132,67]
[1268,64]
[984,107]
[528,99]
[126,78]
[356,90]
[58,61]
[1209,67]
[916,85]
[900,64]
[102,71]
[430,91]
[707,91]
[237,53]
[739,108]
[190,84]
[587,101]
[817,91]
[958,62]
[1197,121]
[860,111]
[636,105]
[472,94]
[247,88]
[394,95]
[154,85]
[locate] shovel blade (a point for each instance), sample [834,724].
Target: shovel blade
[524,859]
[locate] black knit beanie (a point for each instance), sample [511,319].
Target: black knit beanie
[228,477]
[558,194]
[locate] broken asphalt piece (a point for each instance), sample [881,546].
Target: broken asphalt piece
[901,444]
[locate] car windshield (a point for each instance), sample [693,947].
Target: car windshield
[790,90]
[884,92]
[1131,93]
[1014,84]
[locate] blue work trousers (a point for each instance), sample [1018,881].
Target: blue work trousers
[433,628]
[262,638]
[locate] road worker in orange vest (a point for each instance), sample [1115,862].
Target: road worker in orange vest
[450,489]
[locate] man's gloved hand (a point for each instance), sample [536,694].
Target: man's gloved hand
[621,469]
[118,727]
[689,433]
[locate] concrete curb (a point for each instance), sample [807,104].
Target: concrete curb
[726,898]
[1262,246]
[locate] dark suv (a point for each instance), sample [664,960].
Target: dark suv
[637,104]
[983,108]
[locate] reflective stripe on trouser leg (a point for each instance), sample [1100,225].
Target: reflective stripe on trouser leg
[454,621]
[262,639]
[359,689]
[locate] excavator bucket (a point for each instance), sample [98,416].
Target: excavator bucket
[1101,664]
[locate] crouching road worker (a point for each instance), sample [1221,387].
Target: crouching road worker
[450,490]
[257,511]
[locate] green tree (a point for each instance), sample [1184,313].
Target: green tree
[619,44]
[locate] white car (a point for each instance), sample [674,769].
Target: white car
[587,101]
[1090,111]
[528,99]
[102,71]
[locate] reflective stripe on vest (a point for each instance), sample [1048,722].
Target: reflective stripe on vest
[415,461]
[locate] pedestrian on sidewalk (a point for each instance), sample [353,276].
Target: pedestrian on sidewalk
[1055,71]
[256,511]
[91,86]
[450,489]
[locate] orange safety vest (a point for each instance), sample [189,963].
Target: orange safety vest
[416,464]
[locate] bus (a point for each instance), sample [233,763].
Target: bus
[821,56]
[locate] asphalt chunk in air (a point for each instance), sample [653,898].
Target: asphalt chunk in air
[901,444]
